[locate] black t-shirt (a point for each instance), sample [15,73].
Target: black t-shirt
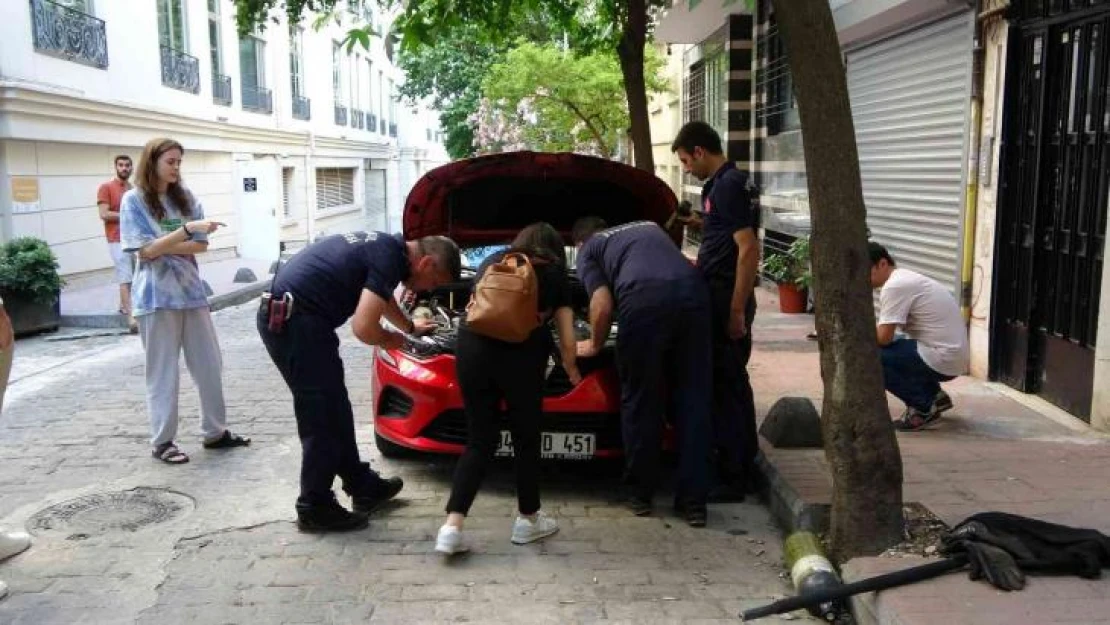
[628,257]
[729,200]
[552,277]
[327,277]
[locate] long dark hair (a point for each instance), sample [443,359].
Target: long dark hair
[146,179]
[541,241]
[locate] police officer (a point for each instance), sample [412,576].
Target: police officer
[317,291]
[728,258]
[663,346]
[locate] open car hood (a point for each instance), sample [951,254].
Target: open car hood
[486,200]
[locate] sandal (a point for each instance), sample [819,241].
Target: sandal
[169,453]
[227,441]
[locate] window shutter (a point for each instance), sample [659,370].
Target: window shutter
[334,188]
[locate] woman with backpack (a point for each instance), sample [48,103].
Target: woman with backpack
[491,370]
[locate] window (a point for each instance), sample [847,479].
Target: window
[381,95]
[214,37]
[371,106]
[252,61]
[171,24]
[776,109]
[337,73]
[296,77]
[392,103]
[287,191]
[356,73]
[335,188]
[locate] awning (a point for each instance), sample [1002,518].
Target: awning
[692,21]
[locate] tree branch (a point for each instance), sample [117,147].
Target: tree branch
[586,120]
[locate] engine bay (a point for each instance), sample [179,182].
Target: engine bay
[446,305]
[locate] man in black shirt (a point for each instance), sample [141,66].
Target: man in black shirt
[663,345]
[341,277]
[728,258]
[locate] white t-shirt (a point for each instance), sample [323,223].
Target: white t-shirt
[929,314]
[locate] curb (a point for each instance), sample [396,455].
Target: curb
[216,302]
[792,513]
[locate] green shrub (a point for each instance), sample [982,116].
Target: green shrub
[791,267]
[29,268]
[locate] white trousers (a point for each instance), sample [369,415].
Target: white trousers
[165,334]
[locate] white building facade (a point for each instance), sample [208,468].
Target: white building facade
[288,135]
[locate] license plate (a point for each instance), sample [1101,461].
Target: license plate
[562,445]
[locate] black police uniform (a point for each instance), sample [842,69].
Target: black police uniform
[729,200]
[663,345]
[326,280]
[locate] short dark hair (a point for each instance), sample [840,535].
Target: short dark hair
[878,252]
[122,157]
[445,252]
[697,135]
[585,228]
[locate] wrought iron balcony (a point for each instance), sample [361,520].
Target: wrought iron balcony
[70,34]
[371,122]
[340,115]
[221,89]
[180,71]
[393,130]
[257,99]
[359,119]
[381,126]
[302,108]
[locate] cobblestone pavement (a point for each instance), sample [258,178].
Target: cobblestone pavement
[74,425]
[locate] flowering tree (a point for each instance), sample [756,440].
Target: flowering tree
[556,100]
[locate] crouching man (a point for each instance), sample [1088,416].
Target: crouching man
[936,348]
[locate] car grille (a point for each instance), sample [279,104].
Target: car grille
[394,403]
[450,426]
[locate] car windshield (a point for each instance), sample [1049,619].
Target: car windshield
[472,257]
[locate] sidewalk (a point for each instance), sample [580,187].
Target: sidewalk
[96,307]
[991,453]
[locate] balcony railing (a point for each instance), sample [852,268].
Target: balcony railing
[381,126]
[393,130]
[358,119]
[371,122]
[340,115]
[221,89]
[257,99]
[180,71]
[302,108]
[69,34]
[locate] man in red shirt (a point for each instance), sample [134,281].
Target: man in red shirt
[108,198]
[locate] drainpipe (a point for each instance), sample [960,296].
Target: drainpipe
[971,192]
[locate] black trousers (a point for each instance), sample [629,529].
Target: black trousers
[663,349]
[734,429]
[307,355]
[489,372]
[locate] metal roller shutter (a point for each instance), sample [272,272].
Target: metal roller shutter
[909,99]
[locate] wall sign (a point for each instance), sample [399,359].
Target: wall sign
[25,194]
[250,185]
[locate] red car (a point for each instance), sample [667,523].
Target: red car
[481,203]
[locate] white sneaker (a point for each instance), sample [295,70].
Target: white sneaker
[525,531]
[12,543]
[450,541]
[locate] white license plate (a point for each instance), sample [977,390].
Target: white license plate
[563,445]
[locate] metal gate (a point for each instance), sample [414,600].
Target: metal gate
[1053,199]
[375,211]
[910,101]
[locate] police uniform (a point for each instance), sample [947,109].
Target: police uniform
[663,344]
[324,281]
[729,200]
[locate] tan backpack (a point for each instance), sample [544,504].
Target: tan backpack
[505,303]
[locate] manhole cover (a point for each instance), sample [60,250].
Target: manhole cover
[107,513]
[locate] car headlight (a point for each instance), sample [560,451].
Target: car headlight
[386,357]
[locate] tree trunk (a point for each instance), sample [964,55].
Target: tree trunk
[860,443]
[630,51]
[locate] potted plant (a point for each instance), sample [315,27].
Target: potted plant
[790,270]
[30,285]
